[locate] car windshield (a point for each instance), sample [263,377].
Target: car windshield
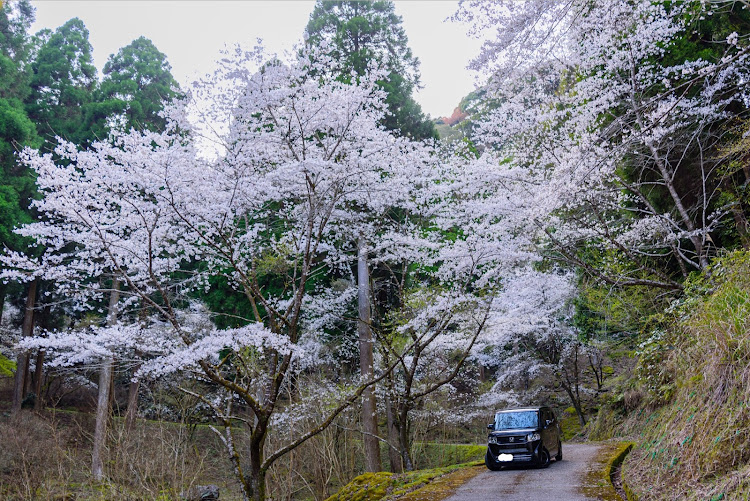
[514,420]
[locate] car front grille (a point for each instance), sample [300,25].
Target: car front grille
[511,440]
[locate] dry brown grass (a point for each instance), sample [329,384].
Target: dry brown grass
[37,457]
[48,457]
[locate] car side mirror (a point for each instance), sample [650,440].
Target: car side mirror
[491,426]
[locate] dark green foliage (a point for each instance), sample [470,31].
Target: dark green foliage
[62,84]
[16,129]
[15,48]
[137,81]
[233,307]
[703,33]
[362,34]
[15,20]
[12,214]
[405,114]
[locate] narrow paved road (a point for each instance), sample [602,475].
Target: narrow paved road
[560,482]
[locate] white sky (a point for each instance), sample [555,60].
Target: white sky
[191,34]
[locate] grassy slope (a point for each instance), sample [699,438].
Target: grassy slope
[692,425]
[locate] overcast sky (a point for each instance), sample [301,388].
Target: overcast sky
[191,34]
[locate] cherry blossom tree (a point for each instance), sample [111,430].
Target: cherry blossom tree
[438,329]
[469,242]
[360,36]
[619,124]
[295,159]
[530,340]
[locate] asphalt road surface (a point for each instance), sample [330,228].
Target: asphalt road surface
[559,482]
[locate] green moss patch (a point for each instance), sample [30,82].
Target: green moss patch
[444,486]
[429,455]
[7,367]
[433,484]
[366,487]
[570,425]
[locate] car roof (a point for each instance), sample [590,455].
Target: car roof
[522,409]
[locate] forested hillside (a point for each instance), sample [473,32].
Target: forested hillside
[278,277]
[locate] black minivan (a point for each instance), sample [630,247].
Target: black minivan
[528,435]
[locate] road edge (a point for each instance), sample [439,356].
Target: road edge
[598,481]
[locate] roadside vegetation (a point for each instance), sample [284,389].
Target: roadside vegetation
[688,410]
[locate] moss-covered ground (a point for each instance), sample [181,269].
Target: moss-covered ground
[433,484]
[429,455]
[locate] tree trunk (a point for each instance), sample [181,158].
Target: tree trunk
[2,301]
[364,329]
[111,403]
[132,410]
[576,404]
[258,485]
[393,438]
[403,442]
[257,473]
[572,386]
[26,376]
[38,380]
[103,400]
[42,321]
[22,362]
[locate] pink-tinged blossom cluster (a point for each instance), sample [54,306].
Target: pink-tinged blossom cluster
[581,91]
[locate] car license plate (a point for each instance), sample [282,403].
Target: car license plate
[505,457]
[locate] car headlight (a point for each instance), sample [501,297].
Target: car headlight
[532,437]
[492,440]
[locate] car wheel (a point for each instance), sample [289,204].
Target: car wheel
[543,458]
[490,462]
[558,456]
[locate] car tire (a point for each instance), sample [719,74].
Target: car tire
[490,463]
[558,456]
[544,458]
